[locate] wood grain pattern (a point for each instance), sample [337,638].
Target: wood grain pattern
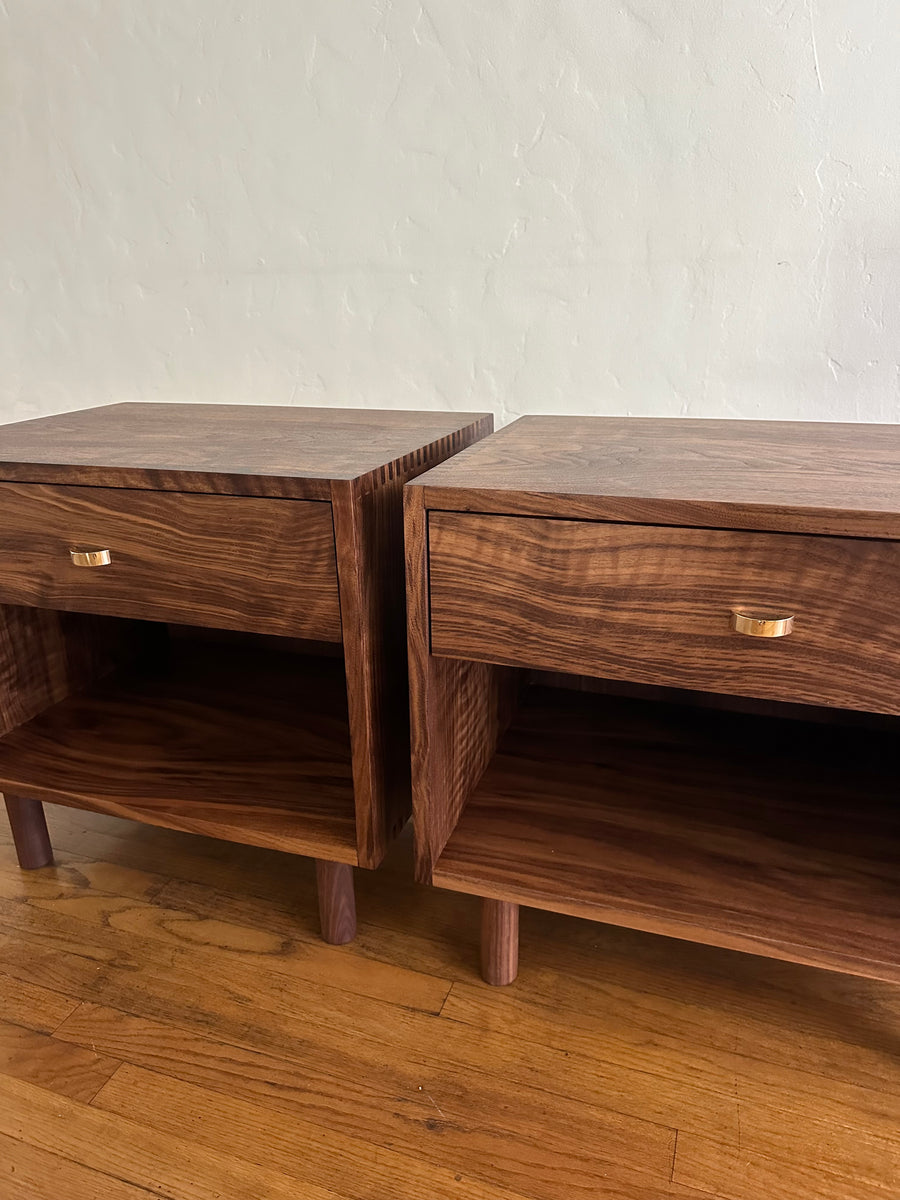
[619,998]
[797,1067]
[361,1103]
[743,832]
[46,656]
[277,521]
[261,565]
[653,605]
[132,1152]
[29,830]
[196,962]
[68,1070]
[379,1084]
[459,709]
[27,1173]
[366,525]
[499,941]
[337,904]
[794,477]
[617,550]
[368,521]
[234,449]
[242,746]
[756,1167]
[308,1154]
[34,1007]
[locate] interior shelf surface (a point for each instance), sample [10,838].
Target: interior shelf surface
[756,833]
[251,746]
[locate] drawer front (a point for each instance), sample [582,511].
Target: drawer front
[230,562]
[655,605]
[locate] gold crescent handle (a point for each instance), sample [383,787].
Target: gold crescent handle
[90,558]
[761,624]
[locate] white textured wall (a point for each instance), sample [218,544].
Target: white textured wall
[645,206]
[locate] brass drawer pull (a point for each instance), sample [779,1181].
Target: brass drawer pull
[90,558]
[761,624]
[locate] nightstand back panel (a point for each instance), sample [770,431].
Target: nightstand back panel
[261,565]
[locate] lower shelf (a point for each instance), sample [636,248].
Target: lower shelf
[248,746]
[773,836]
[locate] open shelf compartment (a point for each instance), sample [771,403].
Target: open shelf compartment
[756,833]
[238,742]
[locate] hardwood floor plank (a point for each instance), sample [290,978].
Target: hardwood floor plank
[37,1008]
[627,979]
[316,1027]
[755,1001]
[726,1080]
[639,1070]
[687,1084]
[849,1044]
[798,1071]
[284,1021]
[96,836]
[653,981]
[164,1164]
[791,1166]
[294,958]
[352,1167]
[665,1098]
[479,1092]
[27,1173]
[517,1136]
[69,1070]
[71,876]
[399,922]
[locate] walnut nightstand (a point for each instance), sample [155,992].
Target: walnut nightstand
[590,600]
[202,624]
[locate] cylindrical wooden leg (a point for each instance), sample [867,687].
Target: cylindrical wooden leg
[499,941]
[337,904]
[29,830]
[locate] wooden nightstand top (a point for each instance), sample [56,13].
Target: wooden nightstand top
[811,477]
[257,450]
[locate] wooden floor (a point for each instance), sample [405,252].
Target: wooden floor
[172,1026]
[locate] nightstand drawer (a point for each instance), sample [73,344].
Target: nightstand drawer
[659,605]
[231,562]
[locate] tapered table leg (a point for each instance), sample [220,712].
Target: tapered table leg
[337,903]
[499,941]
[29,830]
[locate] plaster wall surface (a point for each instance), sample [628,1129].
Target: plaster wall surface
[643,206]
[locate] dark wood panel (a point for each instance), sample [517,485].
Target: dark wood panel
[248,747]
[337,902]
[46,656]
[254,564]
[30,834]
[654,605]
[458,709]
[797,477]
[744,832]
[686,698]
[499,942]
[262,450]
[368,521]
